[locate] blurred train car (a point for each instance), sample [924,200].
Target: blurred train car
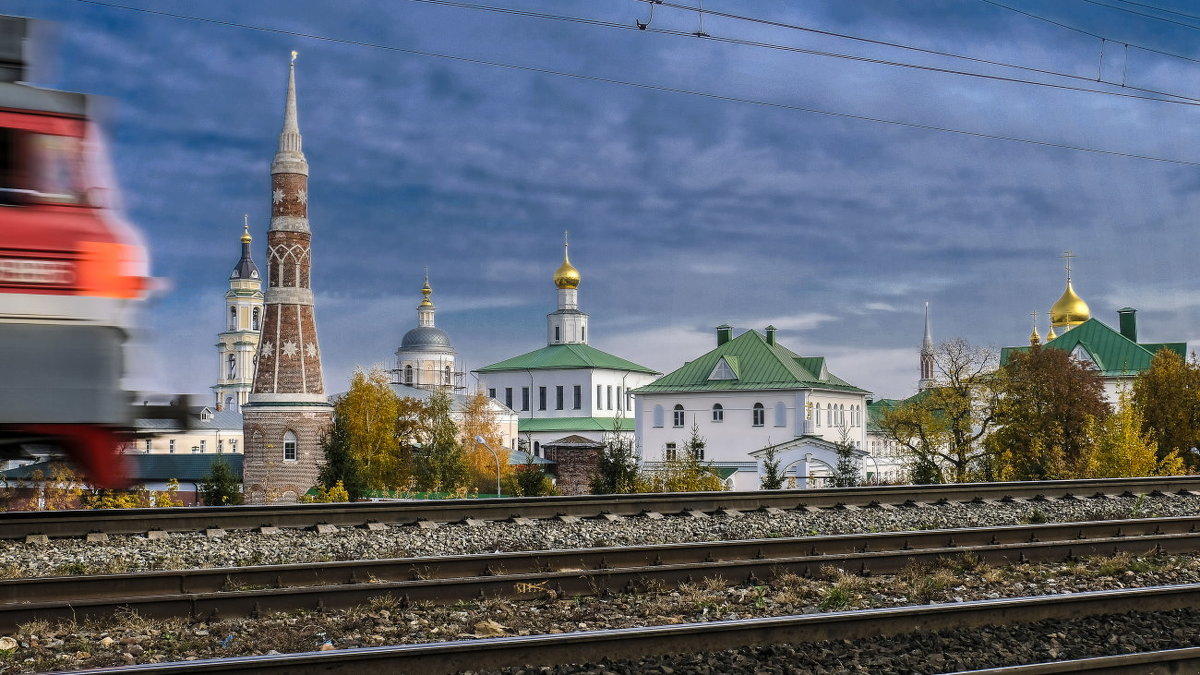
[71,272]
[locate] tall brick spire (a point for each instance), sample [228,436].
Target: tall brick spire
[288,412]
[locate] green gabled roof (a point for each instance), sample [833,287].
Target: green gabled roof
[760,366]
[564,357]
[1114,354]
[575,424]
[877,409]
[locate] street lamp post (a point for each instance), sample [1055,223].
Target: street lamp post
[479,440]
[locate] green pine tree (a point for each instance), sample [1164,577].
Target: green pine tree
[340,465]
[220,487]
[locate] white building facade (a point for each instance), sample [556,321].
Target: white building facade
[748,394]
[237,345]
[567,387]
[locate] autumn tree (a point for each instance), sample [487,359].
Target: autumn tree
[440,464]
[1123,449]
[369,414]
[341,466]
[682,471]
[528,480]
[1048,411]
[479,420]
[1167,396]
[944,426]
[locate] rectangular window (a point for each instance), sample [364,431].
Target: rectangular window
[670,451]
[147,445]
[524,398]
[541,398]
[577,399]
[608,399]
[220,445]
[508,396]
[171,445]
[599,397]
[233,445]
[491,392]
[628,400]
[620,403]
[558,397]
[203,445]
[289,450]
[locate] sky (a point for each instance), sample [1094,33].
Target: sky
[780,191]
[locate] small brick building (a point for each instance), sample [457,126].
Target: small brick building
[577,459]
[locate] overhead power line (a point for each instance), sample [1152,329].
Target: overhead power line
[1182,100]
[636,85]
[1160,9]
[1137,13]
[1081,31]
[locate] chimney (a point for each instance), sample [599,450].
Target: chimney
[771,335]
[1128,322]
[724,333]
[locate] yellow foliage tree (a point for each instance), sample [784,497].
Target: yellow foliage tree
[62,489]
[1124,450]
[478,419]
[370,411]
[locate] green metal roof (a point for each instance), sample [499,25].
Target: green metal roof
[877,409]
[566,356]
[1114,354]
[574,424]
[186,468]
[760,366]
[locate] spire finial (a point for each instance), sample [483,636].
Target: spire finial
[289,138]
[566,277]
[1034,337]
[565,258]
[426,290]
[294,55]
[246,238]
[927,340]
[1067,255]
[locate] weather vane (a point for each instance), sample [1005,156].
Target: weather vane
[294,55]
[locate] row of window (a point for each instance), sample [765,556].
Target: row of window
[604,397]
[408,375]
[582,334]
[233,322]
[672,451]
[835,415]
[203,447]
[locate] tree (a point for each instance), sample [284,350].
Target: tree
[479,419]
[845,472]
[1047,414]
[1123,449]
[528,480]
[1167,395]
[683,471]
[219,487]
[945,425]
[440,463]
[369,413]
[772,478]
[617,470]
[341,466]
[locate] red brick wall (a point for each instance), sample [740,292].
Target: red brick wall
[575,468]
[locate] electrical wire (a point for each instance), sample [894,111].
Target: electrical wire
[1183,100]
[1076,29]
[1137,13]
[1160,9]
[637,85]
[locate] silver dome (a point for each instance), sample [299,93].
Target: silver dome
[426,339]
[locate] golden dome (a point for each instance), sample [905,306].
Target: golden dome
[246,234]
[566,276]
[1070,310]
[425,291]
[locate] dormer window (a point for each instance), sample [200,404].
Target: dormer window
[722,371]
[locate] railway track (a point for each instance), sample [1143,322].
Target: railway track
[16,525]
[634,643]
[250,591]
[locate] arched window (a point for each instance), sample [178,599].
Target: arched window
[677,416]
[289,447]
[718,413]
[780,414]
[658,415]
[228,404]
[828,414]
[233,318]
[760,415]
[408,374]
[254,320]
[537,449]
[446,375]
[583,334]
[816,413]
[232,366]
[557,331]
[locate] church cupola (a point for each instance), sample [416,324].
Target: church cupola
[245,268]
[926,380]
[568,325]
[1070,310]
[425,358]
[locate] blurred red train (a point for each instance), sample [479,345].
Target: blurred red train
[71,272]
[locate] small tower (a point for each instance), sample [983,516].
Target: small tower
[237,345]
[1070,310]
[287,413]
[425,358]
[568,325]
[926,380]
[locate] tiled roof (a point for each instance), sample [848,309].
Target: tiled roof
[574,424]
[1114,354]
[565,357]
[759,366]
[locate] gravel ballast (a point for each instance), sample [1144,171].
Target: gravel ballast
[194,550]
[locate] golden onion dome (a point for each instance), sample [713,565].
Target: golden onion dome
[425,291]
[566,276]
[1070,310]
[246,238]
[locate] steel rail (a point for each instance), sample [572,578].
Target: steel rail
[650,641]
[18,524]
[1161,662]
[210,580]
[530,585]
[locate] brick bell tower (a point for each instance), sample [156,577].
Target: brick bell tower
[287,413]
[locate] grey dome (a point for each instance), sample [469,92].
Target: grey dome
[426,339]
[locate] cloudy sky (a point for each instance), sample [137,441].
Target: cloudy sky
[775,192]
